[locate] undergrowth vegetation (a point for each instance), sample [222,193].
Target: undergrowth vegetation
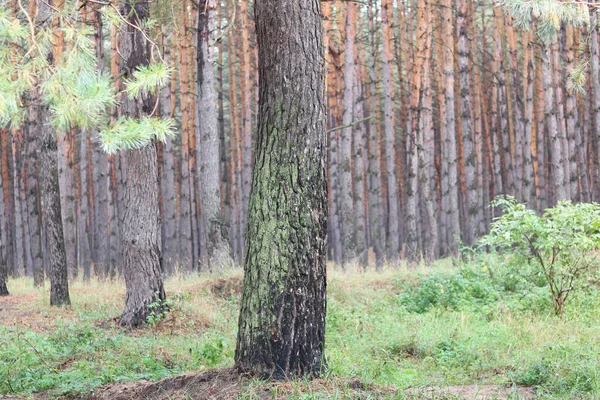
[475,323]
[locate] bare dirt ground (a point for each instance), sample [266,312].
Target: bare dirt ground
[478,392]
[228,384]
[26,311]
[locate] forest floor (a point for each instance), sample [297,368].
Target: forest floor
[441,333]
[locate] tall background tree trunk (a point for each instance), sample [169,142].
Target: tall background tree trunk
[208,143]
[140,225]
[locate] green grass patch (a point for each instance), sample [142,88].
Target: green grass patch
[448,326]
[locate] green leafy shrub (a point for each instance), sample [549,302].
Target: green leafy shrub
[468,289]
[558,248]
[532,375]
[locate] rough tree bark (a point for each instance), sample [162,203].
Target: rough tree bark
[528,80]
[207,145]
[393,233]
[186,199]
[32,205]
[595,70]
[376,217]
[346,203]
[48,153]
[140,226]
[450,172]
[57,257]
[282,317]
[246,132]
[359,140]
[414,140]
[552,124]
[168,186]
[468,132]
[3,243]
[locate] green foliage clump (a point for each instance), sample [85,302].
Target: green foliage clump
[467,289]
[70,85]
[561,247]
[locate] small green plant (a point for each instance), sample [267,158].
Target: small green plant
[532,375]
[158,311]
[561,246]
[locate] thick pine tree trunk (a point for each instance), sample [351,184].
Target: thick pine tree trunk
[282,317]
[208,143]
[140,227]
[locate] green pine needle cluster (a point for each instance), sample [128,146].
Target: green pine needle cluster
[130,134]
[77,94]
[147,79]
[548,13]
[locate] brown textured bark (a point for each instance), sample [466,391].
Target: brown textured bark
[186,247]
[7,217]
[282,317]
[3,230]
[235,170]
[246,127]
[140,227]
[595,82]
